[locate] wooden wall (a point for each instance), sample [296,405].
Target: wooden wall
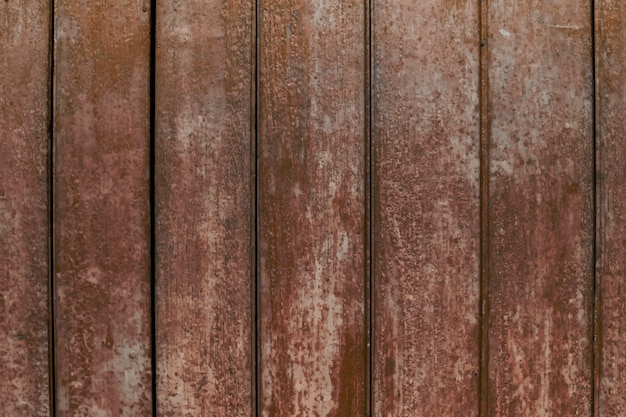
[281,208]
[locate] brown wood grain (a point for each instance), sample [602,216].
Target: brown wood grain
[101,208]
[312,208]
[426,208]
[204,207]
[24,216]
[541,208]
[611,194]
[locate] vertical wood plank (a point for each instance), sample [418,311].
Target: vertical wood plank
[426,208]
[24,225]
[101,208]
[611,220]
[204,206]
[311,208]
[541,208]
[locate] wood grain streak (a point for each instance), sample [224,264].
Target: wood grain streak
[203,205]
[24,225]
[426,208]
[101,209]
[541,208]
[611,220]
[311,208]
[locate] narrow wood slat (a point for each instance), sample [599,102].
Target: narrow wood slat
[24,225]
[611,220]
[426,208]
[311,208]
[204,190]
[541,208]
[101,208]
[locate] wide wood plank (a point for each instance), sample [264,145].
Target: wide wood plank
[541,208]
[101,208]
[24,218]
[312,208]
[426,208]
[204,207]
[611,214]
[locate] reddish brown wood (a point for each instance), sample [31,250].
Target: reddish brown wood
[426,208]
[311,208]
[101,208]
[541,208]
[24,225]
[611,220]
[204,190]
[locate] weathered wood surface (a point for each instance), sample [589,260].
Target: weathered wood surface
[611,193]
[313,254]
[426,208]
[24,216]
[312,208]
[101,208]
[541,208]
[204,208]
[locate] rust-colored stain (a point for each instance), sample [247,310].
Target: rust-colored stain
[24,225]
[426,208]
[611,207]
[204,207]
[475,177]
[101,209]
[541,208]
[312,208]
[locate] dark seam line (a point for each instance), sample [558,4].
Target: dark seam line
[484,211]
[51,336]
[256,297]
[153,312]
[596,154]
[369,252]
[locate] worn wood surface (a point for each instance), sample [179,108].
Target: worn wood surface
[24,216]
[541,208]
[311,208]
[426,208]
[204,208]
[101,208]
[611,193]
[311,215]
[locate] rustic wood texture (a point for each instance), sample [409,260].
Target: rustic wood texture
[311,208]
[101,208]
[24,225]
[426,208]
[204,206]
[541,208]
[611,193]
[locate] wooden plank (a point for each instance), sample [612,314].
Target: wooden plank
[24,218]
[541,208]
[204,191]
[426,208]
[611,220]
[311,208]
[101,208]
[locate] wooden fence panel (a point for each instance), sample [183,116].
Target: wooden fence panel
[204,208]
[426,208]
[611,220]
[312,222]
[24,216]
[517,109]
[541,208]
[101,208]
